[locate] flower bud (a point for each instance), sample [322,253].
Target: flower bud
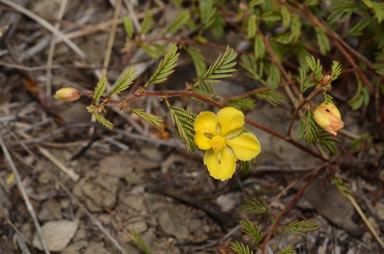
[67,94]
[325,80]
[328,117]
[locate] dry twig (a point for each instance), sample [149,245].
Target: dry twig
[60,15]
[24,194]
[45,24]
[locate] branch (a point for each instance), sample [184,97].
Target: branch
[318,171]
[142,93]
[302,104]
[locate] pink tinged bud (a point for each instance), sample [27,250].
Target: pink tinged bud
[328,117]
[325,80]
[67,94]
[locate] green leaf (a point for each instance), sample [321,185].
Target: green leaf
[139,241]
[222,68]
[218,26]
[322,40]
[287,250]
[342,10]
[298,227]
[259,47]
[99,90]
[148,118]
[254,206]
[181,20]
[254,71]
[103,121]
[336,70]
[361,98]
[147,23]
[270,17]
[295,28]
[273,97]
[177,2]
[198,60]
[377,8]
[166,66]
[358,28]
[286,16]
[205,89]
[284,38]
[207,13]
[273,80]
[124,82]
[328,98]
[184,120]
[128,26]
[243,104]
[305,81]
[251,27]
[160,48]
[315,67]
[240,248]
[311,2]
[150,50]
[329,142]
[342,187]
[252,231]
[255,3]
[356,143]
[379,67]
[310,132]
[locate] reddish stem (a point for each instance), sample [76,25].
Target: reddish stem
[302,104]
[289,205]
[139,94]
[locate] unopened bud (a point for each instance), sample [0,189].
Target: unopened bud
[328,117]
[67,94]
[325,80]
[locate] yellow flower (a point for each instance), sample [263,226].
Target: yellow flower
[328,117]
[225,141]
[67,94]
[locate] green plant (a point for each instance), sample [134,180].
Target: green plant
[290,67]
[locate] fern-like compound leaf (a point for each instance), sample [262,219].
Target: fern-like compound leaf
[241,248]
[251,230]
[99,90]
[222,68]
[299,227]
[254,206]
[184,120]
[124,82]
[102,120]
[147,117]
[166,66]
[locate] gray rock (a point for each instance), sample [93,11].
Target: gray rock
[139,226]
[96,248]
[50,210]
[172,222]
[275,151]
[57,234]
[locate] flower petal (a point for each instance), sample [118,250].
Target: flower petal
[207,156]
[245,147]
[221,165]
[230,119]
[202,141]
[206,122]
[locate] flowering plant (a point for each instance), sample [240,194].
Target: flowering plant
[225,141]
[328,117]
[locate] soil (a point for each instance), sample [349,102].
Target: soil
[140,178]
